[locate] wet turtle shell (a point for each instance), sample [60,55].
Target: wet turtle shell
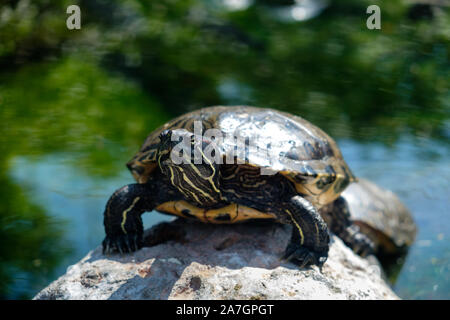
[277,142]
[380,215]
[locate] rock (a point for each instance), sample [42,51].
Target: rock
[190,260]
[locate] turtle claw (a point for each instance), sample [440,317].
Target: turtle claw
[135,243]
[303,257]
[124,243]
[105,247]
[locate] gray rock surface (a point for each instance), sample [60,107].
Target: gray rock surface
[199,261]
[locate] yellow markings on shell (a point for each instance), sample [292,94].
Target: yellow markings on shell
[302,238]
[311,193]
[327,196]
[124,214]
[211,214]
[237,212]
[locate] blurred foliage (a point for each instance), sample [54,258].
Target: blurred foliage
[31,30]
[72,106]
[353,82]
[95,93]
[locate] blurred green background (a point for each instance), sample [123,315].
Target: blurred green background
[76,104]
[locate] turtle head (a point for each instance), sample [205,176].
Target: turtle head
[178,146]
[165,146]
[182,158]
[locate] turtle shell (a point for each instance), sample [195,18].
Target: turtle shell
[381,215]
[275,141]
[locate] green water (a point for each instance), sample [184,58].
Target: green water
[75,106]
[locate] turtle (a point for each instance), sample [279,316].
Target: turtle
[229,164]
[379,214]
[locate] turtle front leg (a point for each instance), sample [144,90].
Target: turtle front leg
[122,215]
[309,240]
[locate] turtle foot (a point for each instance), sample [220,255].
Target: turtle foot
[123,243]
[303,256]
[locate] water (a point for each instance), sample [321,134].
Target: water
[420,176]
[76,105]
